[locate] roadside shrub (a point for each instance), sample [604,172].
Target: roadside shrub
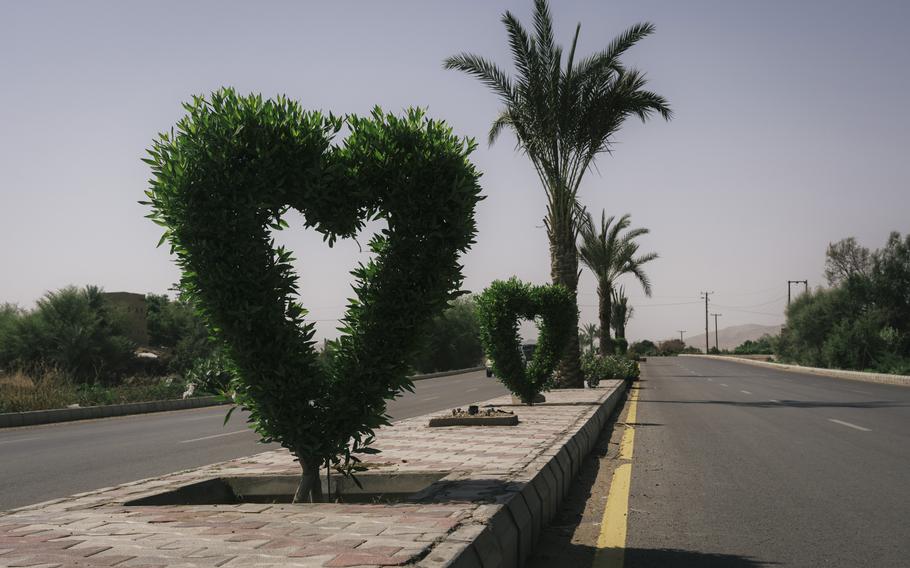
[212,375]
[671,347]
[644,348]
[597,368]
[499,309]
[222,182]
[863,321]
[764,345]
[72,330]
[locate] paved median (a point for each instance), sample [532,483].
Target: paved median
[493,490]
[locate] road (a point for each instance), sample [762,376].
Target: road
[738,465]
[45,462]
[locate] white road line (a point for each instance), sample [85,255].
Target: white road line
[473,389]
[215,436]
[848,425]
[711,380]
[431,398]
[19,440]
[724,384]
[745,392]
[775,401]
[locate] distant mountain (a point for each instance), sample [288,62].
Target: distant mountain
[733,336]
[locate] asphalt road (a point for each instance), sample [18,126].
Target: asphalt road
[738,466]
[39,463]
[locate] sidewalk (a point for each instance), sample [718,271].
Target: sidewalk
[501,485]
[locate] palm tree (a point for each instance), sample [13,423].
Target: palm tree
[563,116]
[609,255]
[588,336]
[621,312]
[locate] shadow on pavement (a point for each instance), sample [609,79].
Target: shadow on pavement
[663,557]
[788,403]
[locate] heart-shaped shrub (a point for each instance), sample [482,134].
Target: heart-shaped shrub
[499,309]
[221,184]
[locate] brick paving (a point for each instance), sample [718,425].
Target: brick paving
[484,467]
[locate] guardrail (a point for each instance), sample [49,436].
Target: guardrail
[35,417]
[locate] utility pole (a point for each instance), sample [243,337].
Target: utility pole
[791,282]
[715,331]
[705,296]
[681,332]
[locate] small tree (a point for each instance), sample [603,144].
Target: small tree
[499,309]
[223,182]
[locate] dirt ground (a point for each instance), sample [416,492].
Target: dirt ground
[571,538]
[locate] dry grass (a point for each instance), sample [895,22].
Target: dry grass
[46,389]
[49,388]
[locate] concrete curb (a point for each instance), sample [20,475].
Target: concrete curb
[34,417]
[446,373]
[504,534]
[880,378]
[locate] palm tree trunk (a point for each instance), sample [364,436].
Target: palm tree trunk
[564,270]
[605,312]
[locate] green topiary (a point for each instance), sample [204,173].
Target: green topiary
[224,181]
[500,307]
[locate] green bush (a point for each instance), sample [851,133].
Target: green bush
[222,183]
[73,330]
[643,348]
[598,368]
[211,375]
[862,322]
[764,345]
[499,309]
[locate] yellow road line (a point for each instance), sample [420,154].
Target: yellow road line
[611,542]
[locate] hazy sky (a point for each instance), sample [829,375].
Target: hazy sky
[791,130]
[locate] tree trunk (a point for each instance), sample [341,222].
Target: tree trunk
[564,270]
[604,312]
[310,488]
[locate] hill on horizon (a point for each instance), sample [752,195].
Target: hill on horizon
[733,336]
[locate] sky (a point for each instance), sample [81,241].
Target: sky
[790,132]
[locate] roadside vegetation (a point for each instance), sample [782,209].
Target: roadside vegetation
[862,320]
[73,349]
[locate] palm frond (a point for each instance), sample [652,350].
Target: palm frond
[488,73]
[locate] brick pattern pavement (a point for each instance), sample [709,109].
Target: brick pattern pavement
[486,465]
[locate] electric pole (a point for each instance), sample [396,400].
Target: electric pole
[705,296]
[715,331]
[791,282]
[681,332]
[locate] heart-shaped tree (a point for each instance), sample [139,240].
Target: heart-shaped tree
[223,181]
[499,309]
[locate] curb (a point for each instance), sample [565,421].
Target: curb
[35,417]
[510,529]
[880,378]
[446,373]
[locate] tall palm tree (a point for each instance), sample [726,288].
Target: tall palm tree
[621,312]
[563,116]
[609,253]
